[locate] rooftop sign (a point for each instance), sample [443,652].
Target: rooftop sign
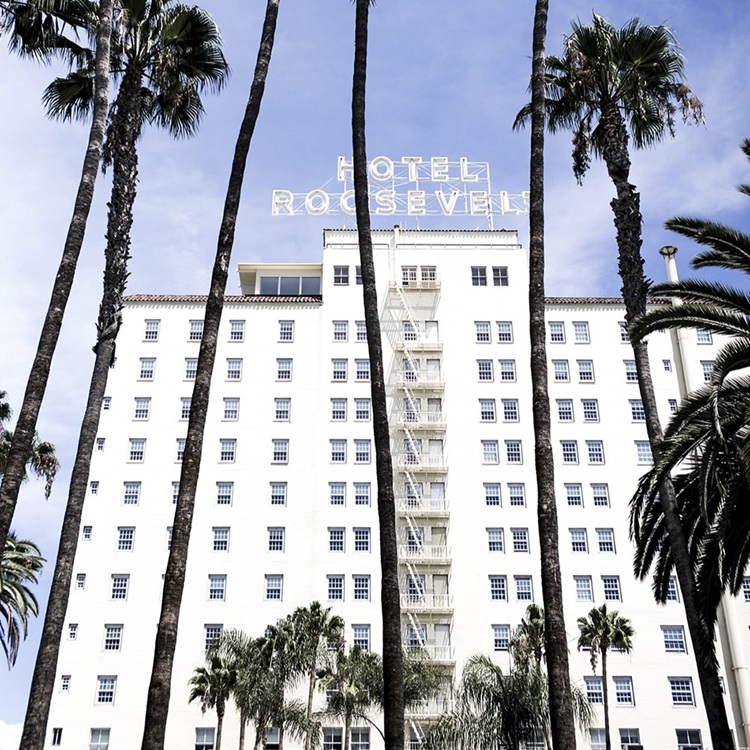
[410,186]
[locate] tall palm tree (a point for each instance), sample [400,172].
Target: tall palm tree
[601,631]
[315,627]
[213,685]
[165,55]
[157,706]
[612,86]
[389,591]
[20,563]
[15,468]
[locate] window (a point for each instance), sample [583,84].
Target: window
[227,450]
[429,274]
[507,370]
[278,493]
[581,332]
[191,369]
[630,736]
[517,494]
[358,275]
[100,444]
[196,330]
[341,275]
[504,332]
[672,592]
[339,370]
[631,374]
[336,539]
[637,412]
[340,330]
[595,449]
[211,634]
[500,637]
[185,408]
[86,533]
[674,638]
[601,494]
[594,691]
[490,453]
[487,409]
[499,588]
[107,403]
[565,409]
[584,588]
[623,691]
[569,451]
[224,493]
[137,449]
[332,738]
[131,493]
[361,587]
[482,331]
[274,587]
[217,587]
[495,540]
[283,369]
[282,409]
[276,539]
[234,369]
[286,330]
[169,538]
[606,539]
[337,493]
[146,371]
[152,330]
[175,492]
[362,370]
[204,738]
[112,637]
[702,336]
[125,538]
[574,493]
[598,739]
[590,409]
[231,409]
[408,275]
[510,410]
[492,494]
[360,738]
[585,370]
[81,581]
[280,453]
[99,739]
[689,739]
[556,332]
[513,452]
[65,683]
[643,452]
[72,631]
[105,689]
[362,409]
[236,330]
[338,451]
[335,588]
[221,538]
[520,540]
[578,541]
[180,449]
[682,691]
[361,636]
[672,405]
[479,276]
[361,493]
[361,330]
[667,364]
[142,408]
[500,275]
[561,370]
[624,338]
[484,366]
[611,588]
[362,540]
[708,369]
[523,589]
[338,409]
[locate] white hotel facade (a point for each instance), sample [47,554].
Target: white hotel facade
[286,513]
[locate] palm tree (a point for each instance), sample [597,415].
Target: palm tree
[157,705]
[20,563]
[315,627]
[529,639]
[213,685]
[25,432]
[611,86]
[601,631]
[389,591]
[166,54]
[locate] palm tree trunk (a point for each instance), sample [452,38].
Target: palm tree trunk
[605,698]
[627,219]
[243,726]
[310,698]
[347,731]
[560,700]
[157,706]
[393,668]
[219,721]
[23,438]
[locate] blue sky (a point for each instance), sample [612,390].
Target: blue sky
[444,79]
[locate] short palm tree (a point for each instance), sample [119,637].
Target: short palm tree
[19,566]
[213,685]
[528,642]
[601,631]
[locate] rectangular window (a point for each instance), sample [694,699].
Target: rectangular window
[500,637]
[125,538]
[112,637]
[362,540]
[672,592]
[674,638]
[594,691]
[100,444]
[520,540]
[484,367]
[590,408]
[361,493]
[191,368]
[337,493]
[107,403]
[507,370]
[492,494]
[131,493]
[338,370]
[120,586]
[175,492]
[332,738]
[236,330]
[137,449]
[362,370]
[643,452]
[224,493]
[338,409]
[623,691]
[490,453]
[611,588]
[600,493]
[335,588]
[510,409]
[196,330]
[581,332]
[361,636]
[513,452]
[204,738]
[361,330]
[500,275]
[569,451]
[336,538]
[495,540]
[217,587]
[585,370]
[360,738]
[142,408]
[276,538]
[707,365]
[338,451]
[595,450]
[631,374]
[408,275]
[574,493]
[280,451]
[487,410]
[499,588]
[211,634]
[185,408]
[556,332]
[578,541]
[81,581]
[283,369]
[278,493]
[479,276]
[482,330]
[565,409]
[561,370]
[702,336]
[517,494]
[340,330]
[105,690]
[504,332]
[152,330]
[146,371]
[234,369]
[637,412]
[341,275]
[584,588]
[624,338]
[523,589]
[227,450]
[362,409]
[361,587]
[86,533]
[180,449]
[606,539]
[358,275]
[689,739]
[221,539]
[667,364]
[282,409]
[672,405]
[72,631]
[286,330]
[231,409]
[65,683]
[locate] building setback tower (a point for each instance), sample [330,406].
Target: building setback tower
[285,510]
